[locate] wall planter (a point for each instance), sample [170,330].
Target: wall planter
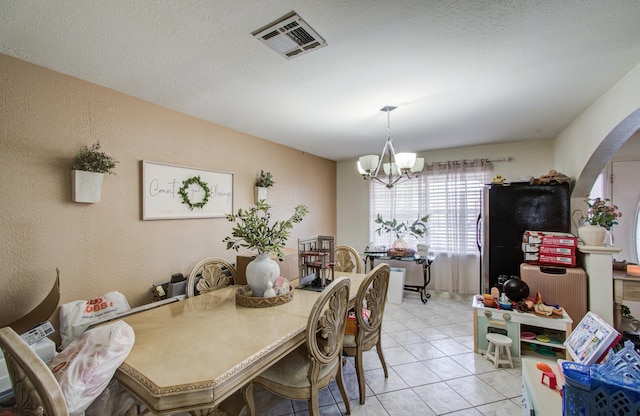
[87,174]
[264,181]
[86,187]
[260,192]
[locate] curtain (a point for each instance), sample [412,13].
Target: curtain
[454,199]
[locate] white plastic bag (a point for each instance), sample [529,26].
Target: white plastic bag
[113,401]
[86,366]
[84,311]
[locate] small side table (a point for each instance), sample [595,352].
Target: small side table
[425,262]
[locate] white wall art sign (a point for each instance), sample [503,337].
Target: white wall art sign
[177,192]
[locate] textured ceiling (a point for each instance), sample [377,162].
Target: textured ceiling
[461,72]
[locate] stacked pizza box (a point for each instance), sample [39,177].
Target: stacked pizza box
[549,248]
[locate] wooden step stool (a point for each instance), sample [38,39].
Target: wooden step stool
[501,346]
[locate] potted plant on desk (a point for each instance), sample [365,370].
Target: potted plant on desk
[253,231]
[401,229]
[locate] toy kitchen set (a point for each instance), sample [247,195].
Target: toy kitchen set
[535,310]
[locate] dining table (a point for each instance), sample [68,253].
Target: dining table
[190,355]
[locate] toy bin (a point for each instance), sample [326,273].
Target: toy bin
[612,388]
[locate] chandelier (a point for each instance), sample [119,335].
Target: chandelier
[396,166]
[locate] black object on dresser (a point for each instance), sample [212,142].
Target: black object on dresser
[508,211]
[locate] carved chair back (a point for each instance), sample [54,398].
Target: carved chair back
[347,259]
[210,274]
[36,390]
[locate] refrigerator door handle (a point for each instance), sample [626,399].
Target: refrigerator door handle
[478,232]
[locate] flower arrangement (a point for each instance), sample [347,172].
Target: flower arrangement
[600,213]
[254,231]
[91,159]
[265,179]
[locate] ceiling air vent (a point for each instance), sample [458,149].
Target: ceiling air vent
[290,36]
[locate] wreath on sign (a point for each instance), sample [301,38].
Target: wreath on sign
[185,195]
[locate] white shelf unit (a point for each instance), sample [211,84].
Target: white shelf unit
[514,323]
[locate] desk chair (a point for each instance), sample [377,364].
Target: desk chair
[210,274]
[372,295]
[312,366]
[347,259]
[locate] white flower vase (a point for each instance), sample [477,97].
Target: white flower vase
[592,235]
[261,270]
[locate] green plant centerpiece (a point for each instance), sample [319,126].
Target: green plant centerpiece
[87,174]
[253,230]
[92,159]
[265,179]
[402,229]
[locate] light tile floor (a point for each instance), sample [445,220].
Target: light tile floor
[432,369]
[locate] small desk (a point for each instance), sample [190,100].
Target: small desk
[195,353]
[624,287]
[413,285]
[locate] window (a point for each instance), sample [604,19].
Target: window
[451,195]
[406,202]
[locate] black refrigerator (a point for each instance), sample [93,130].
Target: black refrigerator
[507,212]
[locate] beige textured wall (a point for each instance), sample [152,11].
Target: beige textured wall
[46,117]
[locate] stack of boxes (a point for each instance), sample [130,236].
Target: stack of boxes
[549,248]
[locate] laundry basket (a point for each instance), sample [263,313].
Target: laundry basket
[612,388]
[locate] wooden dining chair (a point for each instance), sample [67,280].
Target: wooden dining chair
[371,296]
[312,366]
[347,259]
[210,274]
[35,388]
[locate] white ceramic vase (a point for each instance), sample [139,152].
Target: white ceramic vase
[260,271]
[592,235]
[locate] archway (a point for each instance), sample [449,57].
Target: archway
[604,152]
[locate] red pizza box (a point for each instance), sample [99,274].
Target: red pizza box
[550,259]
[550,238]
[557,250]
[545,249]
[569,261]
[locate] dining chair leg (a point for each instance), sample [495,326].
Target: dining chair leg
[360,374]
[247,394]
[343,390]
[314,404]
[381,356]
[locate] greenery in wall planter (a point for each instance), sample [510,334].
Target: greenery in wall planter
[89,166]
[92,159]
[264,181]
